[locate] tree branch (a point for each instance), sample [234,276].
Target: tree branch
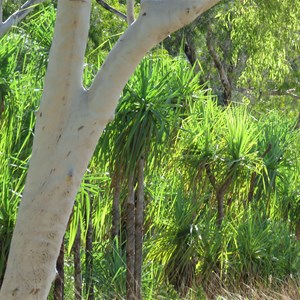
[17,16]
[111,9]
[217,61]
[1,13]
[130,11]
[290,93]
[151,27]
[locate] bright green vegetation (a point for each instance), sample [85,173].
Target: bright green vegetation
[221,183]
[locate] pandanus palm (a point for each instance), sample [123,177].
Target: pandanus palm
[221,150]
[143,121]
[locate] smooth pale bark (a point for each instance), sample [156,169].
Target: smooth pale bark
[68,126]
[61,151]
[130,11]
[17,16]
[1,13]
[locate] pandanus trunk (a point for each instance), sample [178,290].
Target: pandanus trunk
[58,292]
[77,265]
[116,203]
[130,241]
[139,220]
[89,256]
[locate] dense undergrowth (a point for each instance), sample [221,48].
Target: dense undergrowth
[222,184]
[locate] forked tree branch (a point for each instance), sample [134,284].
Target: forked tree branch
[219,65]
[17,16]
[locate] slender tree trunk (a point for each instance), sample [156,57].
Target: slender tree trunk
[58,292]
[191,54]
[115,230]
[130,243]
[297,230]
[77,265]
[89,256]
[1,12]
[139,220]
[224,77]
[220,191]
[130,11]
[220,203]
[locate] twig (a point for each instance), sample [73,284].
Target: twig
[220,67]
[111,9]
[17,16]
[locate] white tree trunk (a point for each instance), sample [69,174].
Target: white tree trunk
[69,123]
[130,11]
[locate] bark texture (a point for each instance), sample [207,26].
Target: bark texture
[77,265]
[55,169]
[58,291]
[220,66]
[115,230]
[130,11]
[89,255]
[130,242]
[139,220]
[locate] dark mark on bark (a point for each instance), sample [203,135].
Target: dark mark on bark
[68,154]
[70,173]
[80,127]
[144,14]
[58,138]
[34,291]
[15,291]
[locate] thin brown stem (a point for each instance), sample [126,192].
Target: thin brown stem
[220,66]
[58,291]
[139,220]
[130,243]
[77,265]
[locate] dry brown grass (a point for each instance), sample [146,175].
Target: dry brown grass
[274,290]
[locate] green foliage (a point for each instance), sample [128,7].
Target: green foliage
[256,33]
[166,115]
[20,92]
[147,110]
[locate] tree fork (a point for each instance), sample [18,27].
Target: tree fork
[68,126]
